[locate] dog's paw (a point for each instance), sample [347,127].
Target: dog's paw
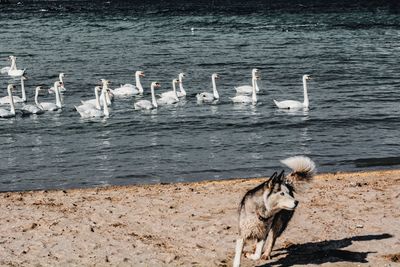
[251,256]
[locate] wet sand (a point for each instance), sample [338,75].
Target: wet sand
[343,219]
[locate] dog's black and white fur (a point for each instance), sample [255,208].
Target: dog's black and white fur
[266,210]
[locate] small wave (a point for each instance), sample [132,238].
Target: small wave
[374,162]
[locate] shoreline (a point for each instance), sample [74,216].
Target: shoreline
[107,186]
[344,219]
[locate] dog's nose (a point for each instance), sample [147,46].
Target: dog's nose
[295,203]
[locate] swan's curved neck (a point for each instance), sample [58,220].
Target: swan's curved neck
[23,90]
[10,96]
[138,84]
[256,85]
[13,64]
[37,99]
[305,103]
[96,93]
[105,106]
[181,85]
[254,91]
[153,97]
[57,91]
[107,95]
[174,90]
[215,92]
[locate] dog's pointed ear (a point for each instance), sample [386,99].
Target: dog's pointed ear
[281,176]
[272,180]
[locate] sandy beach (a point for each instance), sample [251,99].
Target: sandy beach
[343,219]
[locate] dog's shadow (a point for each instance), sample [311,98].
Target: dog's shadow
[323,252]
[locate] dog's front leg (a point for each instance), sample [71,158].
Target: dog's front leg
[238,251]
[270,243]
[257,253]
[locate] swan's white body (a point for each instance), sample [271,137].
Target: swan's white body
[17,99]
[207,97]
[248,89]
[296,105]
[93,103]
[4,70]
[146,104]
[13,71]
[62,88]
[4,113]
[94,112]
[182,91]
[244,99]
[33,109]
[130,89]
[49,106]
[171,97]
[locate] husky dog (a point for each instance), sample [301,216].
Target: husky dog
[266,210]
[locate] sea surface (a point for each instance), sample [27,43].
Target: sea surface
[351,49]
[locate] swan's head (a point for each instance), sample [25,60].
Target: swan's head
[215,76]
[155,85]
[12,58]
[97,88]
[181,75]
[23,77]
[62,75]
[38,89]
[306,77]
[257,77]
[105,82]
[175,81]
[254,71]
[11,87]
[139,73]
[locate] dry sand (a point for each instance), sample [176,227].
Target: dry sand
[343,219]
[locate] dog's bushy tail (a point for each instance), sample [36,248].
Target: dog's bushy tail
[303,168]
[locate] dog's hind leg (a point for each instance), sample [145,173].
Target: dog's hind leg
[238,251]
[257,253]
[272,235]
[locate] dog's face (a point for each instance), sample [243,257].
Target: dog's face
[277,195]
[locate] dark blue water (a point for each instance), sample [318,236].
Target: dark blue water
[351,50]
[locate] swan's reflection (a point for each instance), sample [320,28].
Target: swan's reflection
[104,157]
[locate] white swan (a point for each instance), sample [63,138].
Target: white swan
[295,105]
[93,112]
[245,98]
[33,109]
[94,103]
[13,71]
[170,97]
[109,94]
[17,99]
[181,93]
[130,89]
[49,106]
[146,104]
[62,88]
[207,97]
[4,113]
[248,89]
